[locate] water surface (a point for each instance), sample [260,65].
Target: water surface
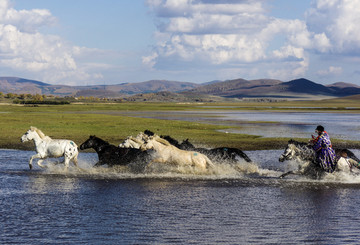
[271,124]
[249,205]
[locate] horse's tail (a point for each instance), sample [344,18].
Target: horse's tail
[241,154]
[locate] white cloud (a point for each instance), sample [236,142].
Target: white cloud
[337,21]
[225,34]
[23,49]
[241,33]
[332,70]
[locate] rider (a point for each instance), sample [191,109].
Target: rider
[325,155]
[345,163]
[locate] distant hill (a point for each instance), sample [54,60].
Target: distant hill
[18,85]
[237,87]
[177,91]
[176,97]
[303,86]
[24,86]
[275,88]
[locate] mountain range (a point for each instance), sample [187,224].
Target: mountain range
[237,88]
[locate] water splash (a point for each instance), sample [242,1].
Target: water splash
[264,166]
[221,170]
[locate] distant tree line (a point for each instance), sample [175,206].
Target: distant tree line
[33,99]
[51,99]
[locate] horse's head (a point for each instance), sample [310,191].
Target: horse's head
[90,143]
[29,135]
[149,133]
[148,144]
[187,145]
[297,151]
[290,151]
[126,143]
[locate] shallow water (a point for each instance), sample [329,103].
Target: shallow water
[235,205]
[272,124]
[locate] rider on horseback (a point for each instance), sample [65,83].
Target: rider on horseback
[325,155]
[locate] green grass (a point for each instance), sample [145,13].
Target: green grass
[78,121]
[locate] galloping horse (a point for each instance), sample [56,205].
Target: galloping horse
[133,142]
[222,153]
[48,148]
[219,153]
[305,154]
[171,154]
[113,155]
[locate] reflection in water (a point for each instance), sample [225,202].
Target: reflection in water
[51,183]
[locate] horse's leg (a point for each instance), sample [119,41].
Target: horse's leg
[39,163]
[32,158]
[75,161]
[286,174]
[149,164]
[67,161]
[200,163]
[152,161]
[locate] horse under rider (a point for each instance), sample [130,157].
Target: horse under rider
[346,164]
[325,154]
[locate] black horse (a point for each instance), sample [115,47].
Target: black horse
[220,153]
[113,155]
[303,152]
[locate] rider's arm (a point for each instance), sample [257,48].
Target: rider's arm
[354,163]
[317,145]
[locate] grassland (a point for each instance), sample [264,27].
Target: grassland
[78,121]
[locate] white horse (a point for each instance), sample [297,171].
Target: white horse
[47,147]
[132,142]
[306,156]
[171,154]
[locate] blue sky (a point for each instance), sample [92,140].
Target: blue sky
[83,42]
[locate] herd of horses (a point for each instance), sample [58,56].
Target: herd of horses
[149,148]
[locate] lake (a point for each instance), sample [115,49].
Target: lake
[241,204]
[270,124]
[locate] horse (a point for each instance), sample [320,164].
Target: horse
[304,153]
[219,153]
[50,148]
[112,155]
[171,154]
[222,153]
[133,142]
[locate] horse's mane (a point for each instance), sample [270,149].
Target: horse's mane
[161,140]
[135,140]
[39,132]
[170,140]
[298,143]
[187,143]
[98,139]
[149,133]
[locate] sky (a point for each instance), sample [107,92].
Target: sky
[88,42]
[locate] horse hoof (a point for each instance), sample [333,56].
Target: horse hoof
[30,166]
